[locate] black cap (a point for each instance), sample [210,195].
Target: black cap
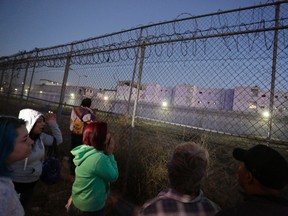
[266,165]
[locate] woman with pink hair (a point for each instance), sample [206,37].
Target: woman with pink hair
[95,169]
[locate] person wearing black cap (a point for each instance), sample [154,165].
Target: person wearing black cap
[262,176]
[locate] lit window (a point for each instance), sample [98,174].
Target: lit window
[252,105]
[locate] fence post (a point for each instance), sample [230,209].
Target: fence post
[11,78]
[63,88]
[273,74]
[24,81]
[2,77]
[133,75]
[143,47]
[131,135]
[32,75]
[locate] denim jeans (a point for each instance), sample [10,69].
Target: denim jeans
[26,192]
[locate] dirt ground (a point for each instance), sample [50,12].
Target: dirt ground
[51,199]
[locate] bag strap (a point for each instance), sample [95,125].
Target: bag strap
[78,112]
[53,150]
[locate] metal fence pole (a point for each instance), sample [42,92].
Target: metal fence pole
[143,47]
[24,81]
[2,76]
[33,71]
[131,131]
[64,82]
[133,75]
[273,75]
[11,78]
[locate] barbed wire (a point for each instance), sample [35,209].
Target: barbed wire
[249,25]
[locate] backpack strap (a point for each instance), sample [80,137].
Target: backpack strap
[78,112]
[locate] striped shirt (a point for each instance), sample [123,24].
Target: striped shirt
[169,202]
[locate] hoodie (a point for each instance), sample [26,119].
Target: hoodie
[9,199]
[94,172]
[30,169]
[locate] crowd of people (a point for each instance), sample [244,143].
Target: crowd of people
[262,173]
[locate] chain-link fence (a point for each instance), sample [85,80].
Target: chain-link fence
[224,72]
[221,77]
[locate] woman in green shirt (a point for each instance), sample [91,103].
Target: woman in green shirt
[95,169]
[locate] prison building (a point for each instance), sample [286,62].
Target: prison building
[254,99]
[206,98]
[156,94]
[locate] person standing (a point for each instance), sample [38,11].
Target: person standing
[95,169]
[262,176]
[80,117]
[27,172]
[15,144]
[186,171]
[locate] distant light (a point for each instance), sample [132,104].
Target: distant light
[72,95]
[1,89]
[22,83]
[266,114]
[41,92]
[16,89]
[106,98]
[26,90]
[164,104]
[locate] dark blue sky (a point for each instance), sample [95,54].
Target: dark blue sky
[26,24]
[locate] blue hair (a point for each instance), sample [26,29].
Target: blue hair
[8,134]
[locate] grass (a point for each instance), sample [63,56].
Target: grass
[142,154]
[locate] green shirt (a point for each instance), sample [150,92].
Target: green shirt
[94,171]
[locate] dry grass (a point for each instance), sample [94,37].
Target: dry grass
[142,154]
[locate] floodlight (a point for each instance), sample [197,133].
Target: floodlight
[164,104]
[266,114]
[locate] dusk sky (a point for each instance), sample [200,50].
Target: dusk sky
[27,24]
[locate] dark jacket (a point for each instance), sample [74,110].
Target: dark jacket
[258,205]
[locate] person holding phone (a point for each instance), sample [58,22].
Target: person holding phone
[26,172]
[95,169]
